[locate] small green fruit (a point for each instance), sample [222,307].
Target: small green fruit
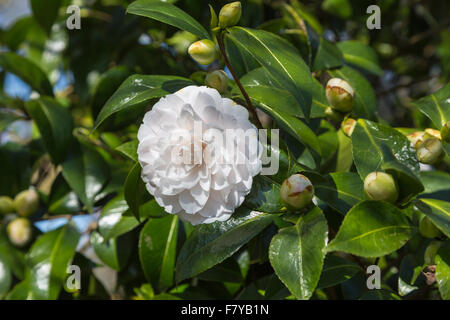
[26,202]
[430,252]
[6,205]
[347,126]
[297,192]
[430,151]
[428,229]
[381,186]
[230,14]
[416,138]
[340,95]
[333,114]
[218,80]
[19,231]
[445,132]
[203,51]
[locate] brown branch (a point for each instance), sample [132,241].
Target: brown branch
[250,106]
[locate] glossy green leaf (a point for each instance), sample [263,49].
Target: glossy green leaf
[409,277]
[438,211]
[27,71]
[62,199]
[168,13]
[157,250]
[55,125]
[281,60]
[48,260]
[5,277]
[210,244]
[264,195]
[436,106]
[340,190]
[365,103]
[436,184]
[12,257]
[337,270]
[227,271]
[241,60]
[372,229]
[328,56]
[378,147]
[85,171]
[46,12]
[379,294]
[129,149]
[21,291]
[360,55]
[297,253]
[443,270]
[113,252]
[135,192]
[114,221]
[137,91]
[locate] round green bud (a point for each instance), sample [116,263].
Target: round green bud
[339,94]
[218,80]
[428,229]
[430,252]
[347,126]
[430,151]
[26,202]
[203,51]
[381,186]
[333,114]
[445,132]
[433,133]
[416,138]
[6,205]
[230,14]
[19,231]
[297,192]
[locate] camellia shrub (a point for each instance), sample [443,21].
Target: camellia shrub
[254,150]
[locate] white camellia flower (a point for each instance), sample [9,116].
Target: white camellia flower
[199,154]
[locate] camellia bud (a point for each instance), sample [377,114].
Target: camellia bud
[445,132]
[6,205]
[428,229]
[433,133]
[381,186]
[416,138]
[430,151]
[19,231]
[218,80]
[297,191]
[430,252]
[340,94]
[230,14]
[26,202]
[203,51]
[347,126]
[333,114]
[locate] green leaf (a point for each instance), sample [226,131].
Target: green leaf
[241,60]
[227,271]
[340,190]
[46,12]
[372,229]
[409,276]
[114,221]
[157,250]
[443,270]
[379,294]
[5,277]
[129,149]
[7,117]
[21,291]
[27,71]
[436,106]
[378,147]
[328,56]
[264,195]
[113,252]
[85,171]
[436,183]
[62,199]
[48,260]
[137,91]
[135,192]
[337,270]
[55,125]
[365,103]
[210,244]
[168,13]
[11,256]
[297,253]
[281,60]
[360,55]
[438,211]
